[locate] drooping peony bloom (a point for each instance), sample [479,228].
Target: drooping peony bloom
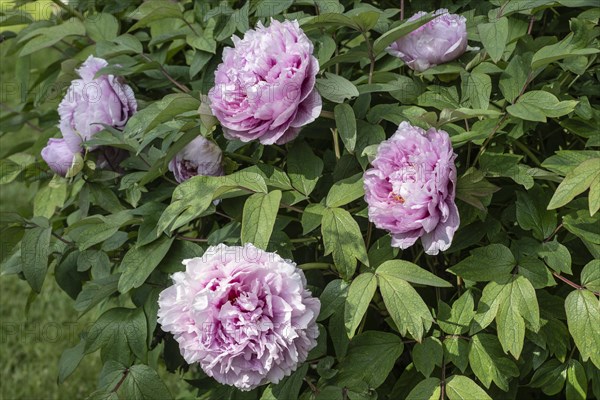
[410,189]
[58,156]
[199,157]
[91,102]
[244,314]
[440,40]
[264,89]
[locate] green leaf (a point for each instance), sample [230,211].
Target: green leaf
[594,197]
[343,238]
[95,291]
[406,307]
[558,51]
[328,20]
[576,385]
[556,256]
[519,305]
[492,262]
[35,249]
[154,10]
[194,196]
[336,88]
[472,187]
[45,37]
[289,387]
[456,321]
[460,387]
[332,298]
[583,320]
[345,120]
[429,389]
[371,357]
[143,382]
[550,377]
[312,217]
[536,105]
[583,226]
[119,332]
[260,211]
[499,164]
[410,272]
[304,168]
[396,33]
[69,360]
[590,276]
[160,111]
[489,363]
[456,350]
[477,87]
[139,262]
[514,77]
[494,36]
[576,182]
[536,272]
[427,354]
[361,292]
[49,197]
[101,26]
[532,213]
[345,191]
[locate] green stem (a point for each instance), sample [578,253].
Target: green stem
[312,266]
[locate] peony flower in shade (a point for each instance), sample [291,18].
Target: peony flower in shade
[91,102]
[440,40]
[58,156]
[199,157]
[243,314]
[411,188]
[264,89]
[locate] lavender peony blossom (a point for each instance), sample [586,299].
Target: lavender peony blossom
[441,40]
[58,156]
[244,314]
[264,89]
[410,189]
[199,157]
[91,102]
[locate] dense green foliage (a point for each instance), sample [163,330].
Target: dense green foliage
[510,311]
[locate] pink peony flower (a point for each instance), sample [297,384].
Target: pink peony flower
[91,102]
[58,156]
[199,157]
[244,314]
[264,89]
[410,189]
[441,40]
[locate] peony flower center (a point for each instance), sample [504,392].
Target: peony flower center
[398,198]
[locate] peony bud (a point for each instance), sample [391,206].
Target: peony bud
[199,157]
[58,156]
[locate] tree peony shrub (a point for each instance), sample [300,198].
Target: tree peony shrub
[426,217]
